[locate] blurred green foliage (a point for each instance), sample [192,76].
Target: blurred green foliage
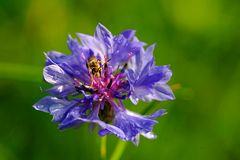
[200,39]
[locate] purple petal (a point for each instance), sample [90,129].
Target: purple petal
[163,92]
[56,107]
[158,92]
[123,50]
[147,81]
[104,35]
[78,115]
[103,132]
[62,90]
[148,55]
[128,34]
[73,117]
[108,128]
[142,62]
[73,65]
[157,114]
[55,75]
[54,57]
[133,125]
[155,74]
[94,44]
[76,48]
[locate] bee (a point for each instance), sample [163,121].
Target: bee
[94,66]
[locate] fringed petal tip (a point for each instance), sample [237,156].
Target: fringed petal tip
[132,125]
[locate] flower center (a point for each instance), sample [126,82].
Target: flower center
[108,84]
[105,83]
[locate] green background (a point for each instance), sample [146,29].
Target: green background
[199,38]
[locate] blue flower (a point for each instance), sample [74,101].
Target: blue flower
[148,81]
[90,84]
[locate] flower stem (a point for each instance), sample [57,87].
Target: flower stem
[103,149]
[117,153]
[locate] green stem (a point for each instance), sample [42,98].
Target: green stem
[103,148]
[117,153]
[148,108]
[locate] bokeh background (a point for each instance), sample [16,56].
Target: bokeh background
[199,38]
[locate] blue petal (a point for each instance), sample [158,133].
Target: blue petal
[104,35]
[163,92]
[103,132]
[158,92]
[73,65]
[78,115]
[53,74]
[148,81]
[56,107]
[157,114]
[141,60]
[62,90]
[54,57]
[123,50]
[108,128]
[94,44]
[73,117]
[155,74]
[128,34]
[133,125]
[75,47]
